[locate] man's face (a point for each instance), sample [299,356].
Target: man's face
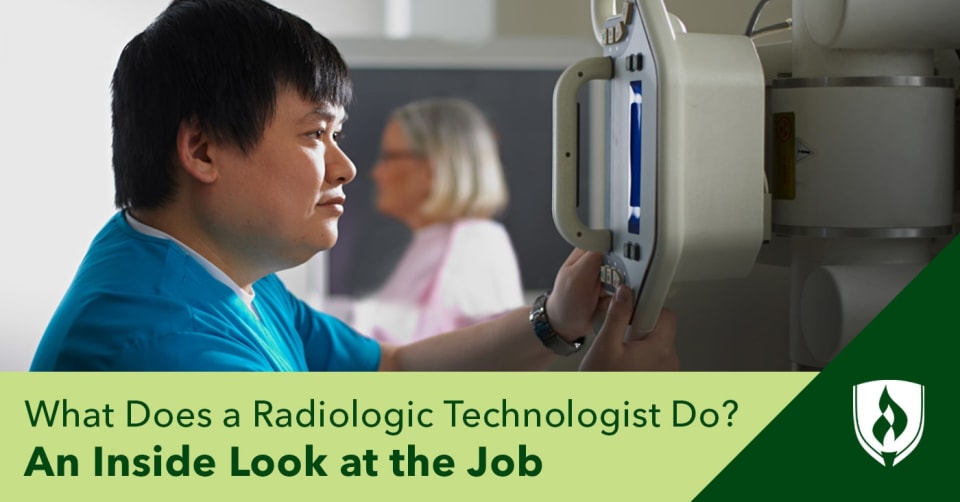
[278,204]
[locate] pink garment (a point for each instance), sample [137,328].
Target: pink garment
[450,276]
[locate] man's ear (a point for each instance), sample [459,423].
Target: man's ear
[192,145]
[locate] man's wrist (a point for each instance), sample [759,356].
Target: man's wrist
[545,331]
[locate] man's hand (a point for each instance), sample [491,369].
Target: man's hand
[612,351]
[576,294]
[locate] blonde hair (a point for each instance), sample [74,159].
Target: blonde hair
[460,145]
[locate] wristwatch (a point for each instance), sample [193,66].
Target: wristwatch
[546,334]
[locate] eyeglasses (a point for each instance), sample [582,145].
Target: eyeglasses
[395,155]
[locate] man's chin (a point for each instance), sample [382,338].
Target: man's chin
[309,252]
[329,237]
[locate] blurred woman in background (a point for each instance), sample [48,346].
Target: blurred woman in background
[440,174]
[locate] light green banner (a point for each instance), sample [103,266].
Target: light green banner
[425,436]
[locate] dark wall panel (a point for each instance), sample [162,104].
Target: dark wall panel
[517,102]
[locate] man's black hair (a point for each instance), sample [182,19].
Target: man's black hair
[222,63]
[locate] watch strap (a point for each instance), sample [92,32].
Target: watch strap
[545,332]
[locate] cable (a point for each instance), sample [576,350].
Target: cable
[751,32]
[773,28]
[755,17]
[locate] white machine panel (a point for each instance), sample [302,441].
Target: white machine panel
[685,188]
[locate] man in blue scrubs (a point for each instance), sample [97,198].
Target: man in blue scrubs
[226,115]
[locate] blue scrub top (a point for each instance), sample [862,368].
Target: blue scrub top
[141,303]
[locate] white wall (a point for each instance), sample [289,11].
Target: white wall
[56,60]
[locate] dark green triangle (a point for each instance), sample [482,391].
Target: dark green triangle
[810,450]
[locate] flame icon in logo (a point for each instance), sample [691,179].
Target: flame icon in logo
[896,425]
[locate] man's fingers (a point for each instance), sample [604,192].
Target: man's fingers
[603,304]
[618,318]
[658,344]
[573,257]
[586,270]
[666,329]
[581,258]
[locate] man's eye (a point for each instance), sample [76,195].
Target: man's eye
[336,136]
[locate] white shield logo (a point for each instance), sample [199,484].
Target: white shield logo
[888,418]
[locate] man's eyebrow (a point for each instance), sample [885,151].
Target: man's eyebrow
[325,113]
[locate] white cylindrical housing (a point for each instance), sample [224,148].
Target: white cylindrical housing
[883,24]
[870,153]
[838,285]
[838,301]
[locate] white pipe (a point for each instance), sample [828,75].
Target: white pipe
[884,24]
[812,59]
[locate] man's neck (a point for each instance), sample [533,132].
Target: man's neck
[187,232]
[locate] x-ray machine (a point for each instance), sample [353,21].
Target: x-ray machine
[849,158]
